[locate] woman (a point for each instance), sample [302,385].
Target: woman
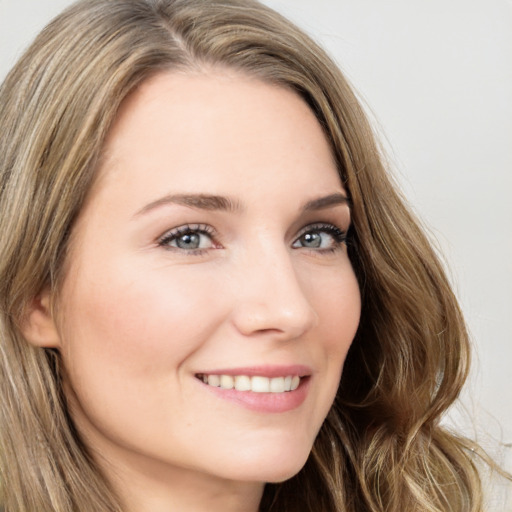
[198,237]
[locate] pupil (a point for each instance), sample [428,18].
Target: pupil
[312,240]
[188,241]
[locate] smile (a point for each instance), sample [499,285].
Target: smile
[255,383]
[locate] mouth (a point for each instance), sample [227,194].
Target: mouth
[252,383]
[262,389]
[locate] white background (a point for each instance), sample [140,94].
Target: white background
[436,76]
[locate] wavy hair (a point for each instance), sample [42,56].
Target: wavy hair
[381,447]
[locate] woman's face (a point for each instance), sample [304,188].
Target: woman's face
[211,248]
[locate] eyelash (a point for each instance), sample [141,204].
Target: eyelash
[187,229]
[339,237]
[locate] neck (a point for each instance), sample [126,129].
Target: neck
[165,489]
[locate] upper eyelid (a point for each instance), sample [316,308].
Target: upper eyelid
[185,228]
[319,225]
[205,228]
[328,227]
[210,230]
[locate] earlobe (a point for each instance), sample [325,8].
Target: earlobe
[38,325]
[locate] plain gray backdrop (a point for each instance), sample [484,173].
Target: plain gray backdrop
[436,77]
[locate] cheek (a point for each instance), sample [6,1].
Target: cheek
[135,325]
[125,346]
[338,304]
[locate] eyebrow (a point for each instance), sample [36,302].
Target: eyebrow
[326,202]
[222,203]
[198,201]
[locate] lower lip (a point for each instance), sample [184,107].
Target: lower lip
[264,402]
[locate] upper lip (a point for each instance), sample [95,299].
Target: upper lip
[263,371]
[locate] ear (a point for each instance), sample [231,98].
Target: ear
[38,325]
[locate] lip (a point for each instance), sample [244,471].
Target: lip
[263,370]
[270,403]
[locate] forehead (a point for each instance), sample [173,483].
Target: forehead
[216,132]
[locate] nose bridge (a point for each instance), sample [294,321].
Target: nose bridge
[271,297]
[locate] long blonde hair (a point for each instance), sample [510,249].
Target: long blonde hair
[381,447]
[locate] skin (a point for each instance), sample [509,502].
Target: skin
[138,320]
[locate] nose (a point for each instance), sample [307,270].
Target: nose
[270,298]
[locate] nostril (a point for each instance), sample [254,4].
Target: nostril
[267,322]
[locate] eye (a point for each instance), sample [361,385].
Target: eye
[188,238]
[321,237]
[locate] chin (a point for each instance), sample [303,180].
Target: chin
[277,466]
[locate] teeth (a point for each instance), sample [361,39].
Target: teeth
[256,384]
[226,382]
[214,380]
[277,385]
[260,385]
[243,383]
